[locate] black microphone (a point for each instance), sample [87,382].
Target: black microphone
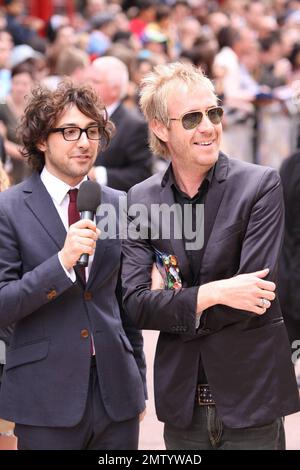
[88,199]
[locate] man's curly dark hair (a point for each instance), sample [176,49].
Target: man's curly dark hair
[46,106]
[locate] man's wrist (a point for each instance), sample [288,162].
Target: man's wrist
[208,295]
[63,261]
[69,272]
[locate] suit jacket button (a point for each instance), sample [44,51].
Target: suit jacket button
[84,333]
[52,294]
[87,295]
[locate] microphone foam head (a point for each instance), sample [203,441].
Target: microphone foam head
[89,196]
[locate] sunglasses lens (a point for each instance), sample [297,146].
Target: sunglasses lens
[192,120]
[215,115]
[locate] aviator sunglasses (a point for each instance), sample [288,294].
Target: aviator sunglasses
[192,119]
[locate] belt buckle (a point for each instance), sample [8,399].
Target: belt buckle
[204,396]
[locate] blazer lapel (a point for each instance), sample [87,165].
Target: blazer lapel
[212,204]
[41,205]
[213,201]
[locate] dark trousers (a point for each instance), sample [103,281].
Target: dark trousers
[95,431]
[207,432]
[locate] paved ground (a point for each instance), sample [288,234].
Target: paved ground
[152,430]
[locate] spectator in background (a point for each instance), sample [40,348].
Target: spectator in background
[274,70]
[11,112]
[203,53]
[93,7]
[23,53]
[154,42]
[127,160]
[189,29]
[64,36]
[180,11]
[55,22]
[217,21]
[71,62]
[23,28]
[7,439]
[164,26]
[238,47]
[145,15]
[103,29]
[6,45]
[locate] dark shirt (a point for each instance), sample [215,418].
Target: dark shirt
[194,256]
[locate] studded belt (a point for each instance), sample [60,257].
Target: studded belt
[203,395]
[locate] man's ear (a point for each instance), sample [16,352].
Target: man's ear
[159,129]
[41,146]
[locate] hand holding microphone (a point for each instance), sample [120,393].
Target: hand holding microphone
[81,238]
[89,198]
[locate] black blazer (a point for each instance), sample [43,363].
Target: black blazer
[289,266]
[246,357]
[127,159]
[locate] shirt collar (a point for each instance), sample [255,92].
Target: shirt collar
[207,178]
[111,108]
[57,188]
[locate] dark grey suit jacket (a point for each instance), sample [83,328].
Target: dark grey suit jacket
[45,382]
[289,266]
[246,357]
[127,159]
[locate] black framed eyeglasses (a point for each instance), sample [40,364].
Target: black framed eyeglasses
[192,119]
[74,133]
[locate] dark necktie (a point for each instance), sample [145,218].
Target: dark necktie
[73,213]
[74,216]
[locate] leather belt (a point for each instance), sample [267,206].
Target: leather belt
[203,395]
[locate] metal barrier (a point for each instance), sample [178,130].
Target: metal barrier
[267,137]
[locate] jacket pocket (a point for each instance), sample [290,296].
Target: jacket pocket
[25,354]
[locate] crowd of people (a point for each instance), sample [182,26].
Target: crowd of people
[249,49]
[114,94]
